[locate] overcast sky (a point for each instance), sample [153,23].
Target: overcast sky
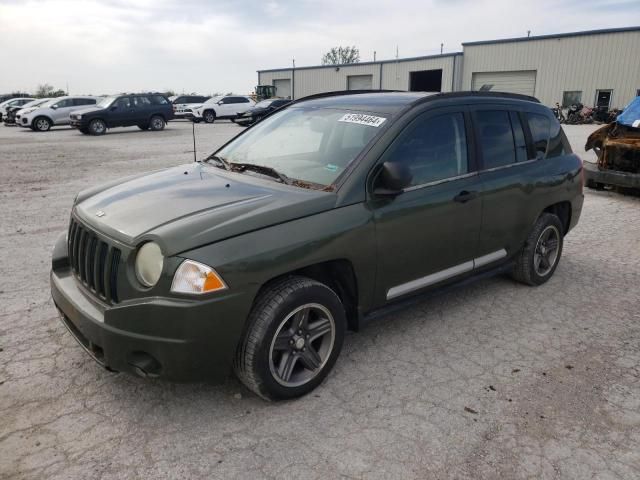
[206,46]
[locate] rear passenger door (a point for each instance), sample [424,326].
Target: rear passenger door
[509,168]
[143,109]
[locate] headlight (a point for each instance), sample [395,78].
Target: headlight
[149,263]
[195,277]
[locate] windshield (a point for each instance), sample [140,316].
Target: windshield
[313,145]
[36,103]
[105,102]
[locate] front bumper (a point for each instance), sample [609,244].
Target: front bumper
[172,338]
[78,123]
[593,176]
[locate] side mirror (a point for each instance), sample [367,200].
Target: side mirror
[393,179]
[220,102]
[54,107]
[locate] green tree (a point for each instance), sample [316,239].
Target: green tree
[341,56]
[45,90]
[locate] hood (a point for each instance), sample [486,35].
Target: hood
[84,111]
[192,205]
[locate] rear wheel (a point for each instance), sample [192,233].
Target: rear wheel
[41,124]
[539,257]
[296,330]
[209,116]
[97,127]
[156,123]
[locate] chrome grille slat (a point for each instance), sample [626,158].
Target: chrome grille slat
[94,262]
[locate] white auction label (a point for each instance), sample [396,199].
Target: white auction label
[363,119]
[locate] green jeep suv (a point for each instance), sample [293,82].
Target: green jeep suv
[328,212]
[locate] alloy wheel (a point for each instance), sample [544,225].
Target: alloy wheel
[302,345]
[546,252]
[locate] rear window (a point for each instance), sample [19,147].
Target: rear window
[539,126]
[558,143]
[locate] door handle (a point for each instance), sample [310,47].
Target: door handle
[464,196]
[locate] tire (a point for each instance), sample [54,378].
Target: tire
[41,124]
[143,127]
[156,123]
[290,310]
[97,127]
[209,116]
[538,260]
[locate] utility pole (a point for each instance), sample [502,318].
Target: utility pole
[528,33]
[374,55]
[441,48]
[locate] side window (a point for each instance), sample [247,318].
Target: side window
[157,100]
[539,126]
[123,102]
[558,143]
[496,138]
[181,100]
[227,100]
[81,101]
[141,101]
[242,100]
[67,102]
[434,148]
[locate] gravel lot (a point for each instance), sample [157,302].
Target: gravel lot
[493,380]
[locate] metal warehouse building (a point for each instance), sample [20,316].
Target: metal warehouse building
[598,67]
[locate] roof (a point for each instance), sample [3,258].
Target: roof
[554,36]
[392,102]
[377,62]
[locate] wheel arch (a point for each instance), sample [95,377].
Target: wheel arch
[339,275]
[41,116]
[562,210]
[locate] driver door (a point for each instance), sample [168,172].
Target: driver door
[428,234]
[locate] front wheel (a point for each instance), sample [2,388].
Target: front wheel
[97,127]
[295,334]
[539,257]
[209,116]
[41,124]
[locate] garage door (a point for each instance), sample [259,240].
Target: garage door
[283,88]
[360,82]
[523,81]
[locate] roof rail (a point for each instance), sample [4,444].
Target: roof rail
[477,93]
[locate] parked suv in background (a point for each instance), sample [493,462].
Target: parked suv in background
[149,111]
[54,112]
[183,104]
[10,117]
[217,108]
[322,216]
[14,102]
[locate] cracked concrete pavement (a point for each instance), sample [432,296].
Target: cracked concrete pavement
[492,380]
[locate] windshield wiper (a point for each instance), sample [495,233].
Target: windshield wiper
[272,172]
[221,161]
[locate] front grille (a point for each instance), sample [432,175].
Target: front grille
[94,261]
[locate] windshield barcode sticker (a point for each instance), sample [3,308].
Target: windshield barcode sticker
[362,119]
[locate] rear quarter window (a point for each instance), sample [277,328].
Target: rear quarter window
[558,143]
[540,126]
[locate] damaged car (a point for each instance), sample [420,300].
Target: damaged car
[617,146]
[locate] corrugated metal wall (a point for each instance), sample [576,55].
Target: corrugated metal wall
[585,63]
[395,75]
